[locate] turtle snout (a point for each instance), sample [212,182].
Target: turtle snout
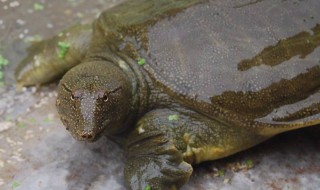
[86,135]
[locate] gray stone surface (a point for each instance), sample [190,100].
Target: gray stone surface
[37,153]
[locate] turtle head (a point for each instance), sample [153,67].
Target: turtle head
[94,99]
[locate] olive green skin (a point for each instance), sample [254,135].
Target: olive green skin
[213,83]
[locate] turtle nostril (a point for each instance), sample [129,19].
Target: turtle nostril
[87,135]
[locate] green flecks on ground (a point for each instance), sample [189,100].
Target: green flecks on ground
[48,120]
[15,184]
[1,78]
[35,38]
[141,61]
[148,187]
[250,164]
[3,62]
[221,173]
[173,117]
[22,125]
[32,120]
[38,6]
[9,118]
[64,48]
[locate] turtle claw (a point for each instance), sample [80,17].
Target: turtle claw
[156,163]
[157,172]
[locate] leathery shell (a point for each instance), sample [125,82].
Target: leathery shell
[249,64]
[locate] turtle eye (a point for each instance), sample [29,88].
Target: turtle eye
[76,95]
[72,97]
[105,97]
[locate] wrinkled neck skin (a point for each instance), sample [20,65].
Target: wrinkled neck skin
[100,97]
[139,94]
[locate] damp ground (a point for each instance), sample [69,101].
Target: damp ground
[37,153]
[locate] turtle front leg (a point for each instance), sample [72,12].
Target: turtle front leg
[165,142]
[50,59]
[153,159]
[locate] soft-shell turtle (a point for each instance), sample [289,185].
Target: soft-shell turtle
[178,82]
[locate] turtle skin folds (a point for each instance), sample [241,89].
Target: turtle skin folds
[166,141]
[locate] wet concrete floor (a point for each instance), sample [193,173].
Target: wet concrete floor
[37,153]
